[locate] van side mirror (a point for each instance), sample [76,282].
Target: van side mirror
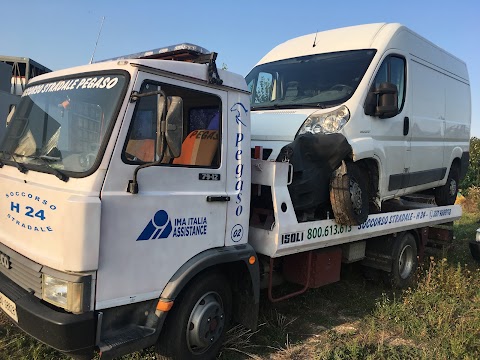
[174,126]
[382,101]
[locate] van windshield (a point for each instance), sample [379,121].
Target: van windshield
[320,80]
[60,125]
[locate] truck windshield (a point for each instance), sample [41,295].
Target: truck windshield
[60,125]
[320,80]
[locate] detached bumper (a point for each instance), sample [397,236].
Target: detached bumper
[68,333]
[475,249]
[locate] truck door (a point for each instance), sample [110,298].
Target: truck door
[180,208]
[390,133]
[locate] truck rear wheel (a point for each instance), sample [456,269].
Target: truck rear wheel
[404,262]
[196,326]
[447,194]
[349,196]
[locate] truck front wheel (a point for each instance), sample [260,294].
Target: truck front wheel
[196,326]
[349,196]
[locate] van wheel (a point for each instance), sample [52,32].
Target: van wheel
[196,326]
[349,196]
[447,194]
[404,262]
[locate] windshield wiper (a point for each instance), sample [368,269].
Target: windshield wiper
[45,159]
[290,106]
[22,168]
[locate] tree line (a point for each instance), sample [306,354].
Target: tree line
[472,178]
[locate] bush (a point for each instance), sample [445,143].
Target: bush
[472,202]
[472,178]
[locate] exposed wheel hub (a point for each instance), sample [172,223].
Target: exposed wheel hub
[356,196]
[206,323]
[406,262]
[453,187]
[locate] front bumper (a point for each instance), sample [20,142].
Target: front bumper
[68,333]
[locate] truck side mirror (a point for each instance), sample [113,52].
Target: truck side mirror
[382,101]
[174,126]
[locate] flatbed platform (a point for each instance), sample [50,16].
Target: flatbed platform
[286,236]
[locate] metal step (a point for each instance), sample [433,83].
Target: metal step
[125,340]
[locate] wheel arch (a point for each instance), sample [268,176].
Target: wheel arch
[233,263]
[371,168]
[459,159]
[418,239]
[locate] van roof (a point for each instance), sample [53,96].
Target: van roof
[379,36]
[347,38]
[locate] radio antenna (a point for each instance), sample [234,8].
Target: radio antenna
[98,37]
[315,40]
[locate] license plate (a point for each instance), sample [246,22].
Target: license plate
[8,306]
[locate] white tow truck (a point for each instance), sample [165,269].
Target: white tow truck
[132,214]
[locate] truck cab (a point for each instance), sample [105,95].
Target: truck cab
[113,176]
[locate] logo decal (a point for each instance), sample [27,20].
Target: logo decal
[161,227]
[158,228]
[238,117]
[237,233]
[29,211]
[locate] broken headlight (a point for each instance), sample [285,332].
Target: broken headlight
[326,123]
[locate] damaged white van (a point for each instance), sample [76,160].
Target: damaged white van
[365,114]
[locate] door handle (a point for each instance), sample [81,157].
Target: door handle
[214,198]
[406,125]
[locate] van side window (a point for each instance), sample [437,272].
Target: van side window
[201,124]
[392,70]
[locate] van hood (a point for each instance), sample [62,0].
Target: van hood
[278,125]
[50,225]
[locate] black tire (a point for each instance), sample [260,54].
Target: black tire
[196,326]
[447,194]
[404,262]
[475,250]
[349,197]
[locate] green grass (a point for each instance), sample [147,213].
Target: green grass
[438,318]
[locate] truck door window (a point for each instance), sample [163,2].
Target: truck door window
[202,128]
[392,71]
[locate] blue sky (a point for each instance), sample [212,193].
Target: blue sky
[61,33]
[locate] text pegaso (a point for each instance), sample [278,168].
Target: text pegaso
[237,230]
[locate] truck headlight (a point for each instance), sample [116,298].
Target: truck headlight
[65,294]
[326,123]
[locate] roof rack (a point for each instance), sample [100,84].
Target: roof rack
[182,52]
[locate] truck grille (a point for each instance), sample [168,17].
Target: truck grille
[22,271]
